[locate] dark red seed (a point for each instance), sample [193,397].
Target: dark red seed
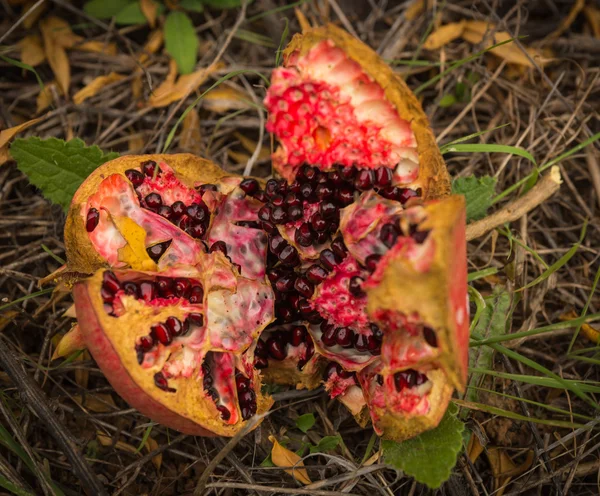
[165,286]
[276,244]
[419,236]
[225,413]
[430,337]
[156,251]
[339,247]
[383,177]
[150,168]
[318,223]
[197,212]
[295,212]
[153,201]
[377,333]
[348,173]
[328,209]
[304,287]
[304,307]
[248,411]
[329,259]
[421,378]
[247,397]
[364,180]
[304,235]
[371,261]
[207,380]
[161,382]
[261,196]
[161,333]
[131,289]
[406,194]
[242,383]
[344,374]
[331,369]
[261,363]
[293,300]
[389,234]
[380,380]
[264,213]
[295,187]
[391,193]
[196,230]
[355,286]
[135,177]
[292,200]
[203,188]
[360,342]
[276,349]
[316,273]
[286,282]
[279,215]
[110,281]
[275,273]
[314,318]
[306,192]
[344,337]
[178,209]
[261,349]
[298,335]
[219,246]
[289,256]
[277,201]
[323,191]
[249,186]
[268,227]
[329,335]
[196,295]
[307,173]
[174,325]
[107,296]
[146,343]
[195,319]
[344,196]
[400,381]
[373,345]
[213,394]
[92,219]
[310,349]
[271,187]
[147,290]
[335,178]
[165,211]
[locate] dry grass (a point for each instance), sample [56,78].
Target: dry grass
[548,111]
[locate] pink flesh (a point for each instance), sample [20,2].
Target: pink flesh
[404,345]
[223,370]
[168,187]
[325,110]
[336,386]
[349,358]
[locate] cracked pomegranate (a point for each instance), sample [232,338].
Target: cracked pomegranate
[348,269]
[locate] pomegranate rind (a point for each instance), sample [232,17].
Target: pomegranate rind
[81,254]
[438,294]
[433,176]
[112,344]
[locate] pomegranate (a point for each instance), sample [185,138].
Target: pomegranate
[347,269]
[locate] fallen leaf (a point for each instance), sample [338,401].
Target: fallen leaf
[504,469]
[414,10]
[135,142]
[444,35]
[105,440]
[134,252]
[71,342]
[45,97]
[151,445]
[238,157]
[190,138]
[283,457]
[186,84]
[32,50]
[7,317]
[250,146]
[97,403]
[59,30]
[95,86]
[82,376]
[70,312]
[56,55]
[137,86]
[592,14]
[225,98]
[566,22]
[587,330]
[7,134]
[152,45]
[32,16]
[97,47]
[474,449]
[4,155]
[149,8]
[168,84]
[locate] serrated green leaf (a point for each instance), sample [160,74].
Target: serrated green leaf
[57,167]
[447,100]
[181,41]
[130,14]
[429,457]
[327,443]
[192,5]
[305,422]
[105,9]
[478,193]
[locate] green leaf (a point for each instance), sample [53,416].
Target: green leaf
[131,14]
[9,486]
[478,194]
[489,148]
[192,5]
[328,443]
[181,41]
[429,457]
[105,9]
[305,422]
[57,167]
[447,100]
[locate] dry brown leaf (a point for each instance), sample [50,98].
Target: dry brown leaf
[238,157]
[592,14]
[587,330]
[97,47]
[190,138]
[166,94]
[95,86]
[70,312]
[444,35]
[97,403]
[151,445]
[4,155]
[414,10]
[7,134]
[250,145]
[60,32]
[565,24]
[135,142]
[56,54]
[82,376]
[32,50]
[168,84]
[153,43]
[46,96]
[34,15]
[7,317]
[148,8]
[225,98]
[69,343]
[283,457]
[504,469]
[474,449]
[105,440]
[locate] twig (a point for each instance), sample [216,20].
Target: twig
[594,168]
[543,190]
[282,490]
[37,402]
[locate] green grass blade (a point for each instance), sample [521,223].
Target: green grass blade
[26,297]
[584,311]
[255,38]
[480,274]
[531,251]
[26,67]
[53,255]
[489,148]
[282,41]
[471,136]
[9,486]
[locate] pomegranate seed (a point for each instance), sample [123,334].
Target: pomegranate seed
[196,230]
[295,212]
[147,290]
[330,370]
[383,177]
[306,173]
[348,173]
[419,236]
[165,211]
[161,333]
[298,335]
[295,187]
[268,227]
[371,261]
[276,349]
[360,342]
[203,188]
[344,337]
[329,335]
[107,295]
[247,397]
[261,349]
[249,186]
[344,374]
[92,219]
[355,286]
[213,394]
[430,337]
[316,273]
[165,287]
[304,235]
[135,177]
[344,196]
[247,411]
[314,318]
[261,196]
[153,201]
[304,307]
[289,256]
[292,200]
[380,380]
[306,192]
[161,382]
[225,413]
[391,193]
[219,246]
[174,325]
[279,215]
[421,379]
[195,319]
[286,282]
[277,200]
[110,281]
[261,363]
[242,383]
[156,251]
[274,274]
[271,187]
[150,168]
[373,345]
[277,244]
[131,289]
[389,234]
[328,209]
[329,259]
[310,349]
[406,194]
[339,247]
[178,209]
[318,223]
[196,295]
[197,212]
[146,343]
[323,191]
[304,287]
[364,180]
